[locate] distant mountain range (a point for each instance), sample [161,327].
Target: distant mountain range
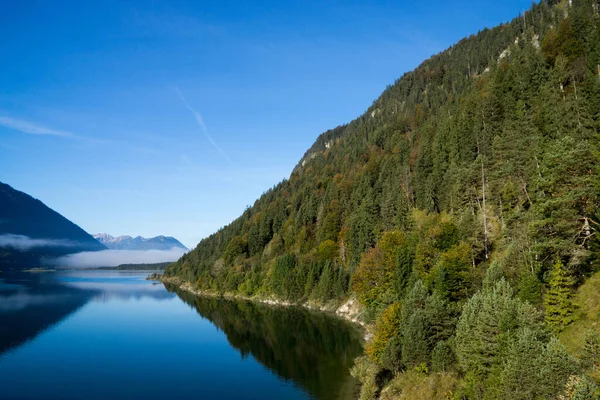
[138,243]
[31,232]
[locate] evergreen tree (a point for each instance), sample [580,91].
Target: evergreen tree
[442,357]
[486,320]
[519,379]
[555,368]
[559,309]
[415,348]
[403,271]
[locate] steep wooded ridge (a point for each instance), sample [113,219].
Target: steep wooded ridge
[461,210]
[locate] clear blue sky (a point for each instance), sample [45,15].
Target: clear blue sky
[155,117]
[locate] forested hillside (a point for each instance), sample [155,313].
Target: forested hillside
[461,210]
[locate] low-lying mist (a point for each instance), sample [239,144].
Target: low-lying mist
[24,243]
[113,258]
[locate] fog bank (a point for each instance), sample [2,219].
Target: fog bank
[113,258]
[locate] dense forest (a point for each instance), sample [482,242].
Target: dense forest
[461,210]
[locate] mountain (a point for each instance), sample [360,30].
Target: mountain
[138,242]
[461,210]
[31,232]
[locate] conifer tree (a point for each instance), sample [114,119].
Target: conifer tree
[555,367]
[559,309]
[518,379]
[442,357]
[487,318]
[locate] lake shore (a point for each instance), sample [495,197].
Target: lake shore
[39,270]
[349,311]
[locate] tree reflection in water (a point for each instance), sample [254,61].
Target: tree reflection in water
[314,350]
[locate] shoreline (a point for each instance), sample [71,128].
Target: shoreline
[348,311]
[38,270]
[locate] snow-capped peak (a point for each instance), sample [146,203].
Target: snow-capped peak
[126,242]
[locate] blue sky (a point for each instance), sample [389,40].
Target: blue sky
[156,117]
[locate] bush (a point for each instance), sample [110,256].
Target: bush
[413,385]
[366,372]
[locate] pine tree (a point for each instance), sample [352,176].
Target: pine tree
[559,309]
[487,318]
[555,367]
[519,378]
[403,270]
[415,349]
[442,357]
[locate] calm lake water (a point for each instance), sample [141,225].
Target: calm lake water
[109,335]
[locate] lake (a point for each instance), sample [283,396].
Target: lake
[114,335]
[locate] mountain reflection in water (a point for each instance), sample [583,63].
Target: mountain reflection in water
[30,303]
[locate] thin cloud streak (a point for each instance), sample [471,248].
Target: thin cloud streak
[24,243]
[200,122]
[31,128]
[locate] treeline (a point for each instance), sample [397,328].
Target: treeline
[472,180]
[150,266]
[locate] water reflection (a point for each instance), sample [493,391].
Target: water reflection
[314,350]
[94,327]
[31,303]
[115,285]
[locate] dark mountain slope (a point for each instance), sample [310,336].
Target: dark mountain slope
[30,231]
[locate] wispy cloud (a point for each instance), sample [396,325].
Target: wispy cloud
[23,243]
[200,122]
[32,128]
